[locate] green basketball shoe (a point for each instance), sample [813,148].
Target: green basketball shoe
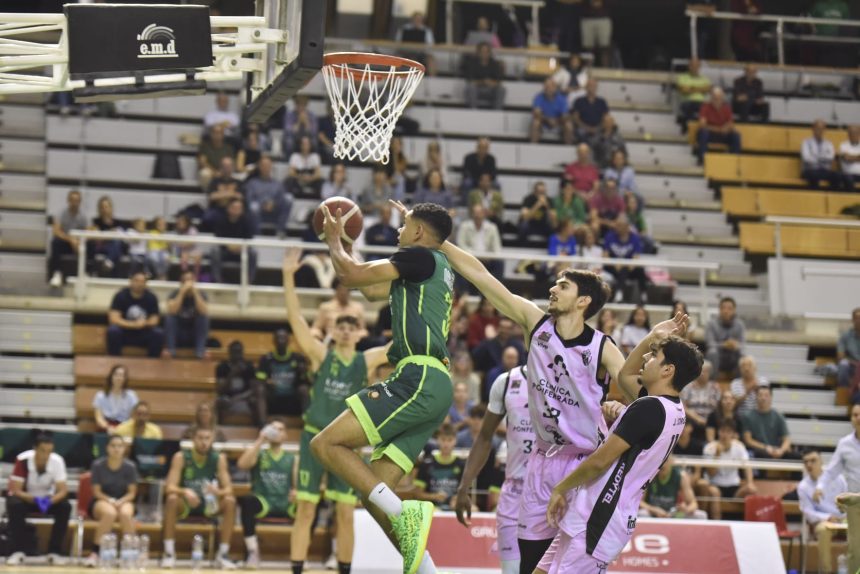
[412,528]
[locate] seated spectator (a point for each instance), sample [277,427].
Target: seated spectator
[381,233]
[571,77]
[467,435]
[725,410]
[37,485]
[188,254]
[299,122]
[479,320]
[591,249]
[745,388]
[463,371]
[725,336]
[376,196]
[237,225]
[417,32]
[607,323]
[607,208]
[488,354]
[223,188]
[284,373]
[253,147]
[336,184]
[204,417]
[670,495]
[607,141]
[222,116]
[484,75]
[304,177]
[433,159]
[637,328]
[438,476]
[198,484]
[138,426]
[461,404]
[158,251]
[818,155]
[765,430]
[634,215]
[693,88]
[568,206]
[701,398]
[549,111]
[477,163]
[534,213]
[434,190]
[326,131]
[748,96]
[273,485]
[62,243]
[679,306]
[210,153]
[238,387]
[339,305]
[114,404]
[848,354]
[397,167]
[491,199]
[725,482]
[267,198]
[623,173]
[510,359]
[137,250]
[114,483]
[477,235]
[849,156]
[133,318]
[562,243]
[482,34]
[716,124]
[588,112]
[596,29]
[624,243]
[106,252]
[821,512]
[745,40]
[186,323]
[583,173]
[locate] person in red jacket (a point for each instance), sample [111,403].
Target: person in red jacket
[484,315]
[716,124]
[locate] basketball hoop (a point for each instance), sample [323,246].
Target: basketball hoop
[368,93]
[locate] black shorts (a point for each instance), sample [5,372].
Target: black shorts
[728,491]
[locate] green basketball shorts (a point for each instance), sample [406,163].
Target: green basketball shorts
[311,473]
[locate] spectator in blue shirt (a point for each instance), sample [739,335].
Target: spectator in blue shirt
[623,243]
[550,111]
[268,200]
[588,112]
[381,233]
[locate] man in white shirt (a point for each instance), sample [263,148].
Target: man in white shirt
[824,512]
[223,116]
[818,154]
[845,461]
[477,235]
[849,155]
[38,485]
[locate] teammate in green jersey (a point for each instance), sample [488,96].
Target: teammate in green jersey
[338,374]
[397,416]
[195,475]
[274,473]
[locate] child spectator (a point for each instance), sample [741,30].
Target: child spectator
[438,477]
[158,252]
[188,254]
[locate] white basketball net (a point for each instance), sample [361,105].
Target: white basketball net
[367,101]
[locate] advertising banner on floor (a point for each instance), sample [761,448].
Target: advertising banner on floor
[657,547]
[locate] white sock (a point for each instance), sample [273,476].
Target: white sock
[386,500]
[223,549]
[510,567]
[170,547]
[251,544]
[426,566]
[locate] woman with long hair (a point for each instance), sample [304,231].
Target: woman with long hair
[113,404]
[607,323]
[637,328]
[725,410]
[114,481]
[205,417]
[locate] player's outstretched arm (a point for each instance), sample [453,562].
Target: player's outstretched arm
[591,468]
[522,311]
[478,456]
[353,273]
[313,348]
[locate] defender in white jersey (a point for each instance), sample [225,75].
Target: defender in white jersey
[610,483]
[568,379]
[509,402]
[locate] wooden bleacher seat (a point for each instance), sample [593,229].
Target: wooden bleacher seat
[807,241]
[90,340]
[753,169]
[770,138]
[166,405]
[148,373]
[759,202]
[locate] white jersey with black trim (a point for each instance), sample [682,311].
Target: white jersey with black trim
[509,397]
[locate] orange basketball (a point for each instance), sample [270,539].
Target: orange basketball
[353,220]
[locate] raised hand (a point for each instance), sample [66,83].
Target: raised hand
[398,206]
[677,325]
[332,225]
[292,261]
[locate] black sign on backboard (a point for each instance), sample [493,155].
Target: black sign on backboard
[124,39]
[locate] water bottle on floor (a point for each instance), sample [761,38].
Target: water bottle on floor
[125,552]
[143,552]
[842,564]
[197,553]
[104,552]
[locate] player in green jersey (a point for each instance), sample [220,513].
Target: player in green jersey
[397,416]
[338,374]
[195,475]
[274,473]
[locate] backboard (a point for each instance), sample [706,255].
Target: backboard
[118,51]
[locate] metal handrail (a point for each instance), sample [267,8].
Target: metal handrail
[536,5]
